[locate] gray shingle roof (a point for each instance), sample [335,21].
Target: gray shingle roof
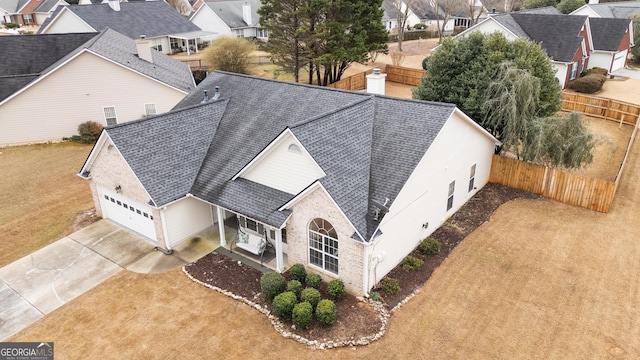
[557,34]
[368,145]
[150,18]
[10,6]
[231,12]
[608,33]
[620,10]
[167,150]
[46,6]
[36,55]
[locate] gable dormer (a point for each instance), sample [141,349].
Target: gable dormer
[284,165]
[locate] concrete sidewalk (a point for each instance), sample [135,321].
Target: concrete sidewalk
[41,282]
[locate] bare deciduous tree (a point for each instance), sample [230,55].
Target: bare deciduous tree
[182,6]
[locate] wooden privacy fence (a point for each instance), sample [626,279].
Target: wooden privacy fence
[397,74]
[604,108]
[594,194]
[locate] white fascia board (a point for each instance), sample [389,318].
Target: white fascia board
[265,152]
[60,14]
[475,125]
[94,153]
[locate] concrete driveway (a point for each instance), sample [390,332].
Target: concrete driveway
[629,73]
[47,279]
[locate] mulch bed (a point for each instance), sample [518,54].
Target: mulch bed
[356,319]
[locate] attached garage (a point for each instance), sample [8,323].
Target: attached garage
[619,60]
[128,213]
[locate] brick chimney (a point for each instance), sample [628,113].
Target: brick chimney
[246,13]
[144,50]
[375,82]
[114,5]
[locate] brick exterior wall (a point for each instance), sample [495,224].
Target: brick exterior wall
[350,252]
[110,169]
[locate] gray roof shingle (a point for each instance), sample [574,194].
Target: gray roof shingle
[608,33]
[36,55]
[557,34]
[46,6]
[231,12]
[368,145]
[149,18]
[619,10]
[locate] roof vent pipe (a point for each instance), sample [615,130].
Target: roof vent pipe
[217,94]
[206,97]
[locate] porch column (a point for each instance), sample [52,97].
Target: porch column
[279,256]
[223,237]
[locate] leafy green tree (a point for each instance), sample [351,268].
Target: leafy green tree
[535,4]
[635,51]
[560,141]
[567,6]
[229,54]
[461,70]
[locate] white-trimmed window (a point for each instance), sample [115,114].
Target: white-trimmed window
[452,188]
[574,70]
[323,245]
[472,177]
[27,18]
[249,225]
[272,235]
[110,115]
[149,109]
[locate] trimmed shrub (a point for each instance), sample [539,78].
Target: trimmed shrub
[326,312]
[302,314]
[295,287]
[336,289]
[310,295]
[11,25]
[412,263]
[429,246]
[284,303]
[425,63]
[298,272]
[375,296]
[589,84]
[390,286]
[272,284]
[314,280]
[419,26]
[89,132]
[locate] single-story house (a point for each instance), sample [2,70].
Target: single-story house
[52,83]
[614,10]
[567,39]
[345,183]
[230,18]
[27,12]
[166,30]
[612,39]
[432,14]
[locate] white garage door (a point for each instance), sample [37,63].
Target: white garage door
[619,60]
[127,213]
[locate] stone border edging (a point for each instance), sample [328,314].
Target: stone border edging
[383,314]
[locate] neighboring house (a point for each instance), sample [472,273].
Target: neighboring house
[565,38]
[27,12]
[52,83]
[612,39]
[166,30]
[616,10]
[230,18]
[345,183]
[423,12]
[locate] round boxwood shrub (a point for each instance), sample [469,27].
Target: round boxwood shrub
[272,284]
[326,312]
[390,286]
[589,84]
[302,314]
[310,295]
[429,246]
[412,263]
[314,280]
[295,287]
[283,304]
[298,272]
[336,289]
[375,296]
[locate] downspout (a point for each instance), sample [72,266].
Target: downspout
[365,277]
[168,250]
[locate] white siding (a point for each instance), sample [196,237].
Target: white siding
[585,10]
[75,93]
[185,218]
[423,198]
[207,20]
[283,169]
[600,59]
[67,22]
[561,72]
[490,26]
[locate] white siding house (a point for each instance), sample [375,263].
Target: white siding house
[229,18]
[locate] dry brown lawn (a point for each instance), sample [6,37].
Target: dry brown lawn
[540,280]
[40,196]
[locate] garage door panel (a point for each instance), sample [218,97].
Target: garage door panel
[128,213]
[619,60]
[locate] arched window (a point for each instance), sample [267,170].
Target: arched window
[323,245]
